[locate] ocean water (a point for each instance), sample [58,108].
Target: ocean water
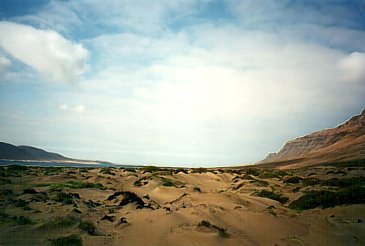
[61,164]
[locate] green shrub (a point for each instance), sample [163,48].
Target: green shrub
[61,222]
[221,231]
[106,171]
[199,170]
[22,220]
[271,195]
[150,169]
[88,227]
[5,181]
[72,240]
[293,180]
[325,199]
[65,198]
[253,171]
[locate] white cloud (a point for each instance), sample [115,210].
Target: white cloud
[4,63]
[45,51]
[63,107]
[353,66]
[79,108]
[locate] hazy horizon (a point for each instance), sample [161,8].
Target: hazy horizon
[177,83]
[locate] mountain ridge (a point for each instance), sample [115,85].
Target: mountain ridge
[22,152]
[343,142]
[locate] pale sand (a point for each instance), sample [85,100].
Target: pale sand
[176,212]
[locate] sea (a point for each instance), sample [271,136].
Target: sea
[63,164]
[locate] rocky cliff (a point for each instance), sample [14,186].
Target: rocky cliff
[344,142]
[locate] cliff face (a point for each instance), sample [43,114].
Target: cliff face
[344,142]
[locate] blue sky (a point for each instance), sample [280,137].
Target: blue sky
[187,83]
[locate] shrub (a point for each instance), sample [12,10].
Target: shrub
[150,169]
[221,231]
[22,220]
[5,181]
[60,222]
[199,170]
[253,171]
[271,195]
[88,227]
[65,198]
[73,240]
[130,197]
[325,199]
[197,189]
[293,180]
[106,171]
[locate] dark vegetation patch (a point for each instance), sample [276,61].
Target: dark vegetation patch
[141,182]
[253,171]
[293,180]
[353,163]
[74,185]
[197,189]
[29,191]
[221,231]
[336,172]
[171,183]
[92,204]
[325,199]
[4,181]
[88,227]
[199,170]
[181,170]
[72,240]
[115,195]
[269,174]
[40,197]
[110,218]
[130,197]
[107,171]
[129,169]
[22,220]
[65,198]
[259,182]
[60,222]
[272,195]
[334,182]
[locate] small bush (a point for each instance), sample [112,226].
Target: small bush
[130,197]
[221,231]
[293,180]
[5,181]
[150,169]
[106,171]
[60,222]
[325,199]
[88,227]
[197,189]
[199,170]
[271,195]
[73,240]
[65,198]
[22,220]
[253,171]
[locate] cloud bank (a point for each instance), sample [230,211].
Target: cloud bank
[46,51]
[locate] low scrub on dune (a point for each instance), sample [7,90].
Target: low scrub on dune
[325,199]
[221,231]
[72,240]
[74,185]
[272,195]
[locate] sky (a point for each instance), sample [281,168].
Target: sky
[190,83]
